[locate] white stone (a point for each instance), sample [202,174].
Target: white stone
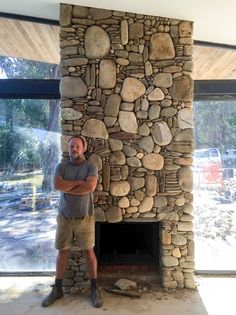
[107,74]
[161,133]
[70,114]
[128,122]
[120,188]
[146,204]
[185,118]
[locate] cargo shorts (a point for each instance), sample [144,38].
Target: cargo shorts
[81,230]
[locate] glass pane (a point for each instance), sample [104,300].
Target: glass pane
[214,170]
[29,151]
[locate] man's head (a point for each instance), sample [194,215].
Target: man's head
[77,145]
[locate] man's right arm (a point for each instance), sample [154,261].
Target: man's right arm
[65,185]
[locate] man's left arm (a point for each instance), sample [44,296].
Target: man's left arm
[85,187]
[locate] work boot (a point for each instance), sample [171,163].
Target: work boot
[96,297]
[55,294]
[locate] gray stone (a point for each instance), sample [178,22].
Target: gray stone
[107,74]
[156,95]
[163,80]
[147,144]
[65,14]
[161,47]
[115,144]
[161,133]
[99,14]
[186,134]
[128,122]
[154,112]
[125,284]
[144,130]
[69,50]
[73,87]
[136,183]
[185,178]
[168,112]
[94,128]
[80,11]
[117,158]
[169,261]
[185,226]
[112,105]
[113,214]
[185,118]
[151,185]
[132,89]
[148,68]
[74,62]
[129,151]
[160,201]
[153,161]
[178,240]
[70,114]
[110,121]
[96,43]
[136,30]
[133,162]
[99,214]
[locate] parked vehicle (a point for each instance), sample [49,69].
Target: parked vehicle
[207,168]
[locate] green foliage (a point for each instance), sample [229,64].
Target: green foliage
[215,123]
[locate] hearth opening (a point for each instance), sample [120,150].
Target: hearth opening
[127,243]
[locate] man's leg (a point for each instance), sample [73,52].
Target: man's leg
[91,261]
[57,292]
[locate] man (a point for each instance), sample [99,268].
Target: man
[76,179]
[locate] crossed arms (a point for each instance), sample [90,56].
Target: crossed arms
[75,187]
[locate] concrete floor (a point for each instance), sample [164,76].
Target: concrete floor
[213,296]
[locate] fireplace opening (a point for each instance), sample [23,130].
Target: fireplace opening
[127,243]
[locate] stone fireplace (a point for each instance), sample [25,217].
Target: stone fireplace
[126,85]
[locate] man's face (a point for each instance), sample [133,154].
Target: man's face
[75,148]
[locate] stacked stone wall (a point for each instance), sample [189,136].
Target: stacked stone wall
[126,85]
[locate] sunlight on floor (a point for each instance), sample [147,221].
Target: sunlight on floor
[218,295]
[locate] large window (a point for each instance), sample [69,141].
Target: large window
[214,172]
[29,151]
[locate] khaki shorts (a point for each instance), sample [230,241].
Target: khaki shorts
[82,230]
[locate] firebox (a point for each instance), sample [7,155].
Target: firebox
[127,243]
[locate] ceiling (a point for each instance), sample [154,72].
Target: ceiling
[27,40]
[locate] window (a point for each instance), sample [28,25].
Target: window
[215,185]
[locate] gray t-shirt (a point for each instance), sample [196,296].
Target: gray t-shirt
[74,206]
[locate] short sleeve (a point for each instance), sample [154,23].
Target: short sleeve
[92,171]
[58,170]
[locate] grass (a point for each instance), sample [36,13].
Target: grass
[34,178]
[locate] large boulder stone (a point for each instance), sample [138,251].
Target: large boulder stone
[120,188]
[113,214]
[161,47]
[112,105]
[107,74]
[70,114]
[72,87]
[185,178]
[185,118]
[182,88]
[96,42]
[153,161]
[132,89]
[161,133]
[128,122]
[94,128]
